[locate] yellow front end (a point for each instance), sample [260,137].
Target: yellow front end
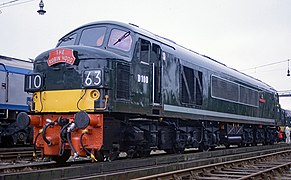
[65,100]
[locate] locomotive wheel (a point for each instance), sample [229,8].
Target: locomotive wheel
[63,158]
[139,151]
[169,151]
[132,153]
[203,148]
[144,153]
[113,155]
[99,155]
[175,150]
[7,141]
[137,154]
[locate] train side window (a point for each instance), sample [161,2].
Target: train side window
[199,87]
[224,89]
[192,87]
[155,54]
[145,47]
[142,51]
[187,85]
[248,96]
[155,60]
[93,36]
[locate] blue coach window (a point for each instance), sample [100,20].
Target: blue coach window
[120,39]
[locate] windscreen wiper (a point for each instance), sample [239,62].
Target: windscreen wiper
[66,39]
[122,37]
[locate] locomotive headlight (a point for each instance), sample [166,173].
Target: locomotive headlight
[35,97]
[95,94]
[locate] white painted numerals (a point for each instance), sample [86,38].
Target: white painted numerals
[33,82]
[142,79]
[92,78]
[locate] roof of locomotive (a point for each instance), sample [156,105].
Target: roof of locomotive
[188,55]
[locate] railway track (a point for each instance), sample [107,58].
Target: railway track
[152,167]
[269,166]
[16,154]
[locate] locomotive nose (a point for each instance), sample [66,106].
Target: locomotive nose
[22,120]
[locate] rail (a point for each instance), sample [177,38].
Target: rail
[257,167]
[144,168]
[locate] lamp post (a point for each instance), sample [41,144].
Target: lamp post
[41,11]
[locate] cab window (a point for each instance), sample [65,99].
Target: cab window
[120,39]
[68,40]
[93,36]
[142,51]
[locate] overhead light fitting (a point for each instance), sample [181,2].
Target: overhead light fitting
[288,71]
[41,11]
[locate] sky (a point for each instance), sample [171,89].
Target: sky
[253,36]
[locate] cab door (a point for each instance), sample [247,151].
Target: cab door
[141,72]
[146,71]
